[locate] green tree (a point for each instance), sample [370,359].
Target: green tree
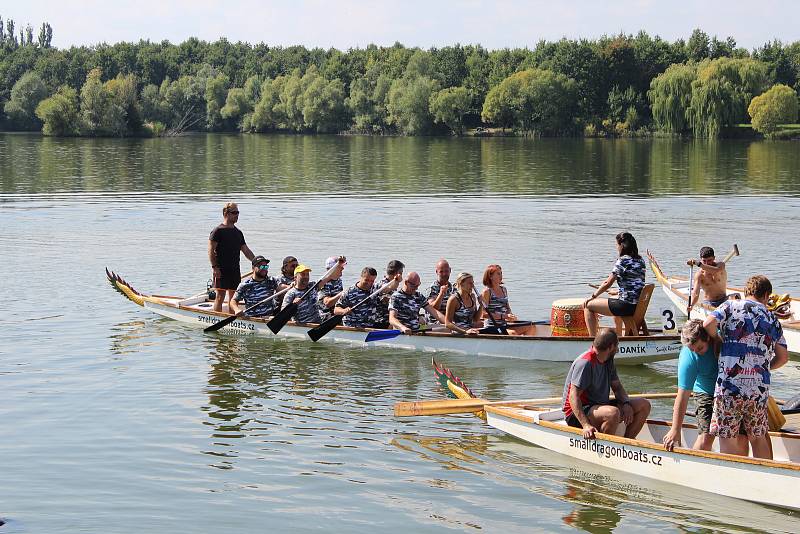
[267,113]
[533,100]
[323,105]
[25,96]
[125,111]
[721,93]
[409,104]
[216,92]
[59,113]
[449,106]
[670,95]
[774,107]
[95,104]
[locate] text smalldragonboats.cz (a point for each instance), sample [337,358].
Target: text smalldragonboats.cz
[614,451]
[236,325]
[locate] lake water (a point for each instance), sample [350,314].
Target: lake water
[116,421]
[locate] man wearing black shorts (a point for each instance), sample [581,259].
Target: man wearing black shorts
[586,392]
[224,245]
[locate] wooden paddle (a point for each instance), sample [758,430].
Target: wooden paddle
[454,406]
[317,332]
[228,320]
[734,252]
[283,316]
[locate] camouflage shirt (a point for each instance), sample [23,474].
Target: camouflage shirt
[364,315]
[406,307]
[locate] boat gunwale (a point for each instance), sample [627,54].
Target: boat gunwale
[513,413]
[160,299]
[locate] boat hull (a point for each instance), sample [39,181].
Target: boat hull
[763,481]
[633,350]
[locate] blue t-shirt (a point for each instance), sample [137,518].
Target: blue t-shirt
[697,373]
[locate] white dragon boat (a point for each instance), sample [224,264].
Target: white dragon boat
[198,312]
[677,290]
[773,482]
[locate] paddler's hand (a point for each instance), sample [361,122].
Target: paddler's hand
[691,262]
[589,431]
[627,413]
[672,439]
[511,317]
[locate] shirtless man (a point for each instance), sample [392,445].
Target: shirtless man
[711,277]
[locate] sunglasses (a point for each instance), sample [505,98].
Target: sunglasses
[263,267]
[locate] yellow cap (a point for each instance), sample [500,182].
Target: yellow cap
[301,268]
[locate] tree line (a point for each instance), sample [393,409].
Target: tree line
[616,85]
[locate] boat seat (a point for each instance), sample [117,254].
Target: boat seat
[635,325]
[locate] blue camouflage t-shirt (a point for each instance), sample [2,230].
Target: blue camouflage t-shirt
[434,292]
[364,315]
[307,311]
[330,289]
[252,291]
[407,307]
[630,278]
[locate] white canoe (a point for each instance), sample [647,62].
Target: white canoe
[543,346]
[677,290]
[772,482]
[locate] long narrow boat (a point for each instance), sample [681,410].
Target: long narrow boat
[677,290]
[772,482]
[198,312]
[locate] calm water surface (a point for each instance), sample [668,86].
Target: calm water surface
[117,421]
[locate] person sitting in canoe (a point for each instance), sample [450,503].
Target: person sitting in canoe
[286,279]
[405,304]
[752,346]
[333,289]
[586,401]
[364,315]
[462,313]
[712,277]
[307,311]
[697,374]
[496,304]
[628,272]
[261,286]
[441,289]
[394,275]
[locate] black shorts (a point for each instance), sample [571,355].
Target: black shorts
[573,421]
[621,308]
[227,279]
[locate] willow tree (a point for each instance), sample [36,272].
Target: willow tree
[449,106]
[776,106]
[721,93]
[670,95]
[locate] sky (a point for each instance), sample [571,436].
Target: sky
[347,24]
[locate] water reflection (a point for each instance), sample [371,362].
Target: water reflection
[265,164]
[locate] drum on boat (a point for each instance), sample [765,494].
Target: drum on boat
[566,318]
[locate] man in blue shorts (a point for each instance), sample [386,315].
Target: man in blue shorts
[586,401]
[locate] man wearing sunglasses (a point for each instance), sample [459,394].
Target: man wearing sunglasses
[261,286]
[405,304]
[225,244]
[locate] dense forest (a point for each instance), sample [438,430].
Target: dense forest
[612,86]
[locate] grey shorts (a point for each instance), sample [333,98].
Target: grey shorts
[705,408]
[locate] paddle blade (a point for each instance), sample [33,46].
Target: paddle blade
[283,316]
[221,324]
[329,324]
[378,335]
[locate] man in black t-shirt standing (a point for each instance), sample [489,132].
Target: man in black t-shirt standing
[224,245]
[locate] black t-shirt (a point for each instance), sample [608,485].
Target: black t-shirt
[229,246]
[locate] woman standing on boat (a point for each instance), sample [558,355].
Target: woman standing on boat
[462,312]
[628,272]
[495,301]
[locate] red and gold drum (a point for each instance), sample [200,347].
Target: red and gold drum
[566,318]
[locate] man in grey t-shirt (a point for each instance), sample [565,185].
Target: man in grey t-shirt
[586,392]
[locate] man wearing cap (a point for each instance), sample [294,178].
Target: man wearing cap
[441,289]
[225,244]
[394,275]
[405,304]
[286,278]
[711,277]
[307,311]
[253,290]
[329,295]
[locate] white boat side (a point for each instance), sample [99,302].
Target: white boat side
[772,482]
[633,350]
[676,288]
